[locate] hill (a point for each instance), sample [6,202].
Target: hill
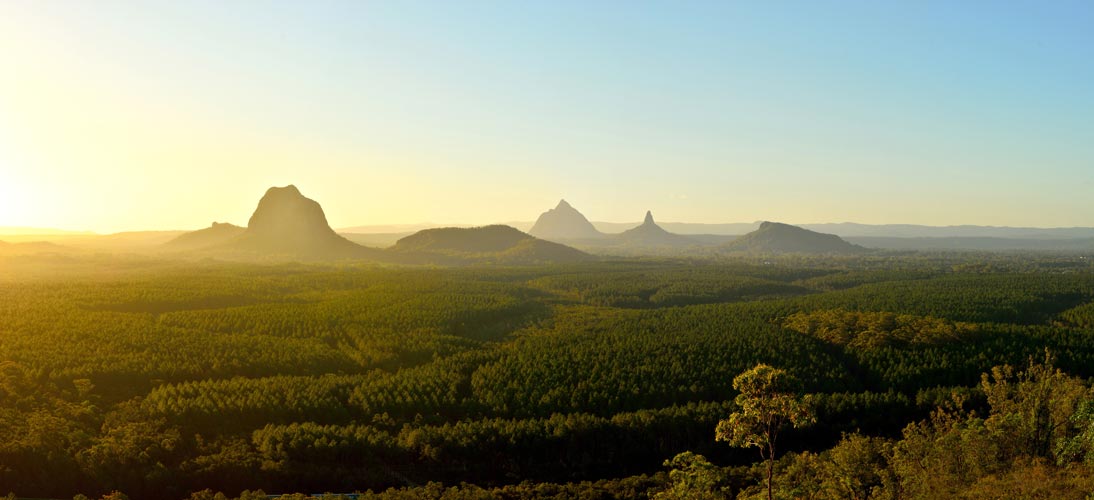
[34,247]
[495,243]
[775,237]
[564,222]
[128,241]
[216,234]
[39,231]
[287,224]
[649,234]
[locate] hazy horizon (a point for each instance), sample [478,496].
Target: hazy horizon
[144,115]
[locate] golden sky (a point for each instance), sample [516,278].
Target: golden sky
[169,115]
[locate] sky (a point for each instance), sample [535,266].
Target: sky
[171,115]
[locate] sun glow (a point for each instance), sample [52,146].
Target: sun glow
[13,200]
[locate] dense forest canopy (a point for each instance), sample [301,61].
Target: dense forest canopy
[171,380]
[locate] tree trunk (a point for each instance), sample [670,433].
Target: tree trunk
[770,469]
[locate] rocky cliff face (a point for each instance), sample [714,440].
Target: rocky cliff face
[286,222]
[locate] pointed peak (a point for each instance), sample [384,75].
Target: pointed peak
[649,218]
[562,204]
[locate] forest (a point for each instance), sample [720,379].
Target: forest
[915,375]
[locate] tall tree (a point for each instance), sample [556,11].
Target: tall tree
[769,399]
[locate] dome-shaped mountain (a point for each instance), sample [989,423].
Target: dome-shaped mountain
[218,233]
[495,243]
[649,234]
[564,222]
[286,223]
[775,237]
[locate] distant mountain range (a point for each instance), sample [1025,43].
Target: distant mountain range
[841,229]
[288,225]
[977,243]
[565,224]
[34,247]
[22,230]
[851,229]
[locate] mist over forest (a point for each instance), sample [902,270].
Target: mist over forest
[283,359]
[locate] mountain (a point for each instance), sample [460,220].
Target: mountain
[216,234]
[285,223]
[775,237]
[649,234]
[564,222]
[497,243]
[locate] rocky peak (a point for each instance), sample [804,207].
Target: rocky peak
[284,212]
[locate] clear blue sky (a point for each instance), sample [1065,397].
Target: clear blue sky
[136,115]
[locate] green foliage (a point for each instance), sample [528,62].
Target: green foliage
[162,378]
[592,361]
[767,401]
[671,287]
[857,467]
[868,330]
[692,477]
[998,298]
[1080,447]
[1034,409]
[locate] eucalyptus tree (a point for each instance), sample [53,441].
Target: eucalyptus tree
[767,402]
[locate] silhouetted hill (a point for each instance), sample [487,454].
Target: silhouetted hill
[285,223]
[34,247]
[775,237]
[564,222]
[649,234]
[217,234]
[495,243]
[129,241]
[39,231]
